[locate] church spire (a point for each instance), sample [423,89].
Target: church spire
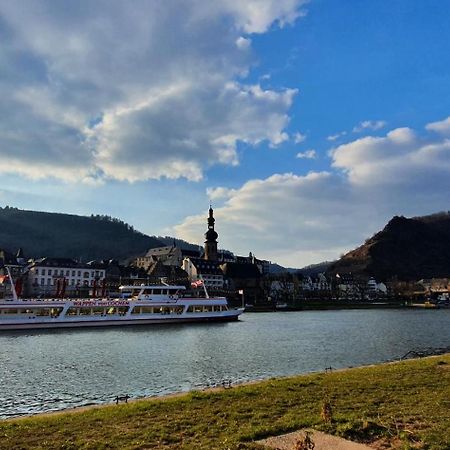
[211,238]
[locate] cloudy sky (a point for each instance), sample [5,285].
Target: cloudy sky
[308,124]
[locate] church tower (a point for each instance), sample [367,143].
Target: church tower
[211,238]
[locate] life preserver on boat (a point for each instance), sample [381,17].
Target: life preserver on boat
[171,297]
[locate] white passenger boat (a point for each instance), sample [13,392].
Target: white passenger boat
[145,304]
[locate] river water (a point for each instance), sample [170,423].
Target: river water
[54,370]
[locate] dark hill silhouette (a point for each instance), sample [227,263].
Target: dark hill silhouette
[56,235]
[406,249]
[314,269]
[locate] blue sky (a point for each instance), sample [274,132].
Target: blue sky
[308,124]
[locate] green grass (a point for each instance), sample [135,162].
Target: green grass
[405,405]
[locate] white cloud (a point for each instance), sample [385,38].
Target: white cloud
[308,154]
[399,157]
[336,136]
[256,16]
[132,92]
[288,218]
[219,193]
[144,142]
[372,125]
[442,127]
[297,220]
[299,137]
[243,43]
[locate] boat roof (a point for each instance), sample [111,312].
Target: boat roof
[153,286]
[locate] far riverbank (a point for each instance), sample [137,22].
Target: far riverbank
[320,305]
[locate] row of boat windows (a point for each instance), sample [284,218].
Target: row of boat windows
[39,312]
[206,308]
[114,310]
[158,310]
[159,292]
[97,311]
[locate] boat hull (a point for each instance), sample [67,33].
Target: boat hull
[231,316]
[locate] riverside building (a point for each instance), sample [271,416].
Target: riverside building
[46,277]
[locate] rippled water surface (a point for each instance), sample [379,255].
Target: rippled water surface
[43,371]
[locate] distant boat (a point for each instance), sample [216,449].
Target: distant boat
[138,305]
[281,306]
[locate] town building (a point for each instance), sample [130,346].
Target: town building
[47,276]
[226,256]
[16,264]
[316,283]
[244,278]
[169,256]
[262,264]
[168,273]
[172,255]
[202,269]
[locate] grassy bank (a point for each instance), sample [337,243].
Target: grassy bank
[404,404]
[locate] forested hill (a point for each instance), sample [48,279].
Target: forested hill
[66,235]
[406,249]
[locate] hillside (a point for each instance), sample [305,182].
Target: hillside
[314,269]
[407,248]
[58,235]
[181,243]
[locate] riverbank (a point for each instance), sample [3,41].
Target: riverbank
[327,305]
[404,403]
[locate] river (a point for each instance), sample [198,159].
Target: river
[54,370]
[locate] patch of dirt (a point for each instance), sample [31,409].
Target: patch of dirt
[321,441]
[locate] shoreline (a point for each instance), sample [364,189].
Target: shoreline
[210,390]
[397,404]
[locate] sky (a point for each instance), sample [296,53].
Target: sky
[306,124]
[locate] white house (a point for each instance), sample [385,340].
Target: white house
[202,269]
[45,275]
[318,283]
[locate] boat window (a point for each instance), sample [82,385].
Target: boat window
[157,291]
[99,311]
[9,311]
[195,309]
[143,310]
[122,310]
[85,311]
[177,310]
[72,312]
[52,312]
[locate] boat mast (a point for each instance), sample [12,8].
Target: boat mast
[204,287]
[13,287]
